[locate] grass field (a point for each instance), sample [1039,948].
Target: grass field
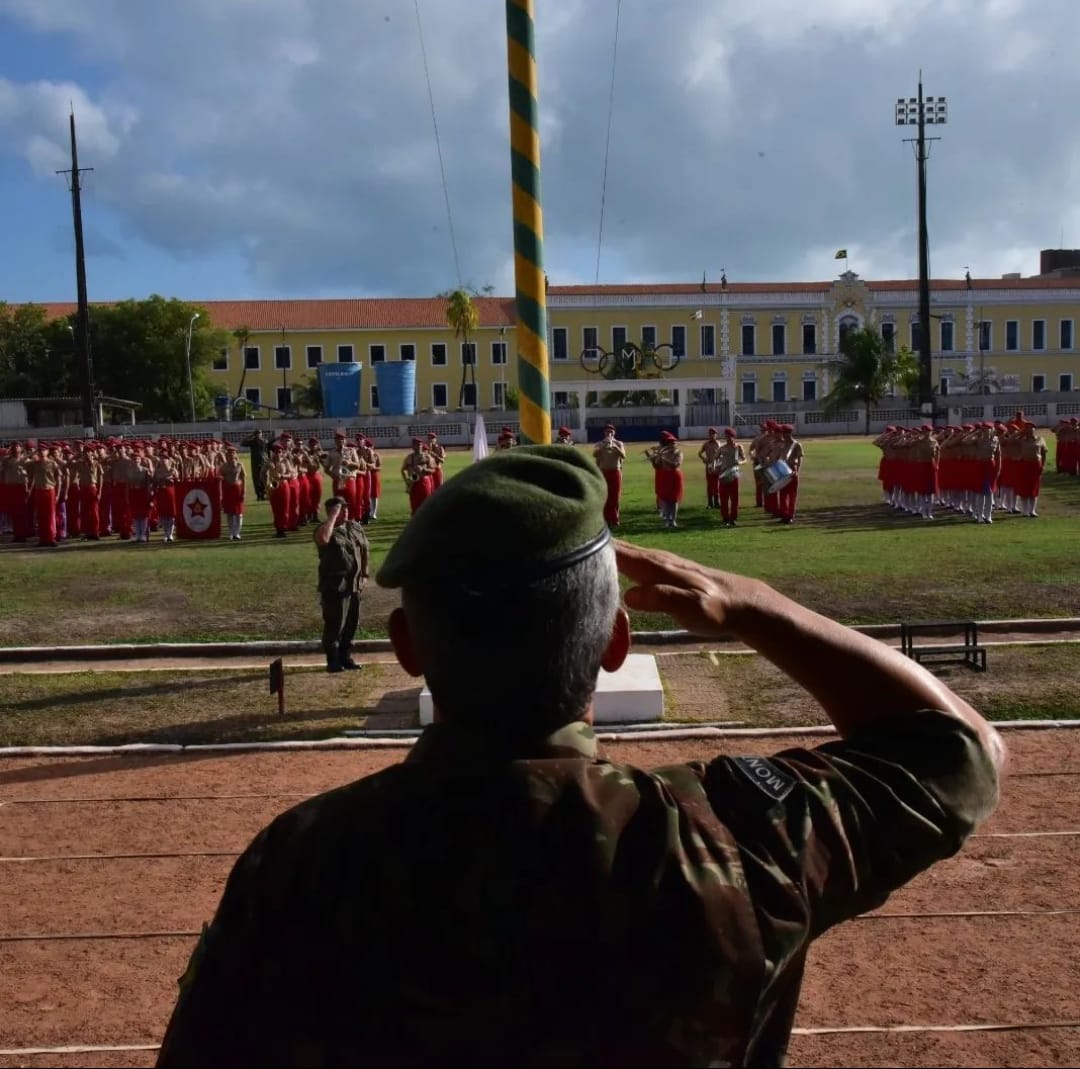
[847,555]
[211,705]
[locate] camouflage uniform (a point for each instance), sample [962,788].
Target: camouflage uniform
[471,906]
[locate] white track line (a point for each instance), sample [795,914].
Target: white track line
[858,1029]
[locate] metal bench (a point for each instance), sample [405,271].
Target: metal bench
[966,651]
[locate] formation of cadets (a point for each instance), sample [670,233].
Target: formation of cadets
[93,489]
[292,478]
[971,469]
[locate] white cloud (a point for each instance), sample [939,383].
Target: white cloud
[758,136]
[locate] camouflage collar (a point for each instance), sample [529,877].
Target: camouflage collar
[446,743]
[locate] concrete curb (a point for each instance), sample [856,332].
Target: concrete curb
[135,650]
[139,749]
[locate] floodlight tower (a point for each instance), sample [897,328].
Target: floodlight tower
[915,111]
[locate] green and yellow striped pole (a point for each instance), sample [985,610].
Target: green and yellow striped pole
[534,390]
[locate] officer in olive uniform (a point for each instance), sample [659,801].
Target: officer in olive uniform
[343,572]
[507,896]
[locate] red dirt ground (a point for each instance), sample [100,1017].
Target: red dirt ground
[881,971]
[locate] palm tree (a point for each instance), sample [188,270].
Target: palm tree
[867,371]
[463,317]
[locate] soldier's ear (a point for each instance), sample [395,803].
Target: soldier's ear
[619,643]
[401,640]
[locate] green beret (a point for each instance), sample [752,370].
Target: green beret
[511,518]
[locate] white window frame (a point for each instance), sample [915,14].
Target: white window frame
[782,327]
[1072,335]
[752,383]
[985,327]
[555,332]
[655,336]
[1038,348]
[446,395]
[561,398]
[675,349]
[371,355]
[951,324]
[497,389]
[1062,376]
[223,354]
[470,345]
[465,402]
[278,391]
[401,352]
[743,328]
[445,361]
[495,345]
[802,336]
[585,338]
[307,355]
[253,395]
[812,382]
[711,327]
[1012,323]
[258,357]
[352,353]
[288,349]
[1038,389]
[373,397]
[626,336]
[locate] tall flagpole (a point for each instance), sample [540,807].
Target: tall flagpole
[534,389]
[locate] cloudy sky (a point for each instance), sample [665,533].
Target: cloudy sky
[268,148]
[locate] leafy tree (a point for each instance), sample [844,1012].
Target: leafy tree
[866,372]
[307,396]
[37,357]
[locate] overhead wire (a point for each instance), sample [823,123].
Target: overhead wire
[438,145]
[607,140]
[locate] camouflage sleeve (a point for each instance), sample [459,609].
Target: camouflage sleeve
[225,1014]
[844,825]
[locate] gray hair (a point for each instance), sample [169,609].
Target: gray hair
[520,662]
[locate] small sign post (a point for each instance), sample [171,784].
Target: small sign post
[277,683]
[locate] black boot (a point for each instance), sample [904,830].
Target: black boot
[347,663]
[333,662]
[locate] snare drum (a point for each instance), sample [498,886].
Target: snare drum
[777,476]
[729,475]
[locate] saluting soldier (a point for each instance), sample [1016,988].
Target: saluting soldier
[343,574]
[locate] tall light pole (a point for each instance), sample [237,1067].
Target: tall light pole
[191,387]
[915,111]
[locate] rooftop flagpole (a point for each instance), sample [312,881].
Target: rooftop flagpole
[534,389]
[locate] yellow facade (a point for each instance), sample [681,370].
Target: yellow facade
[745,342]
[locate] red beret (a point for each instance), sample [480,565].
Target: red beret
[713,430]
[927,427]
[275,446]
[432,434]
[368,441]
[787,428]
[729,432]
[609,426]
[564,430]
[313,441]
[340,434]
[418,441]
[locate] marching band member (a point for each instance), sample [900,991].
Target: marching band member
[418,471]
[341,464]
[233,486]
[730,457]
[666,459]
[565,436]
[374,466]
[793,455]
[437,452]
[1029,469]
[709,454]
[164,477]
[610,455]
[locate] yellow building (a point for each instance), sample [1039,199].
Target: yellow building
[749,343]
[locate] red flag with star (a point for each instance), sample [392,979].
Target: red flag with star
[198,508]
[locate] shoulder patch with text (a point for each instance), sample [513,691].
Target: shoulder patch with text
[767,777]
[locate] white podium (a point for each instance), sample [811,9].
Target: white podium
[633,694]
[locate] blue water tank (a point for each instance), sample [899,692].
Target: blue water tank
[340,384]
[397,387]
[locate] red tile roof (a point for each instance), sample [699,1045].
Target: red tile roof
[389,313]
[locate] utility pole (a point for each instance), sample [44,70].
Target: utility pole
[911,112]
[82,319]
